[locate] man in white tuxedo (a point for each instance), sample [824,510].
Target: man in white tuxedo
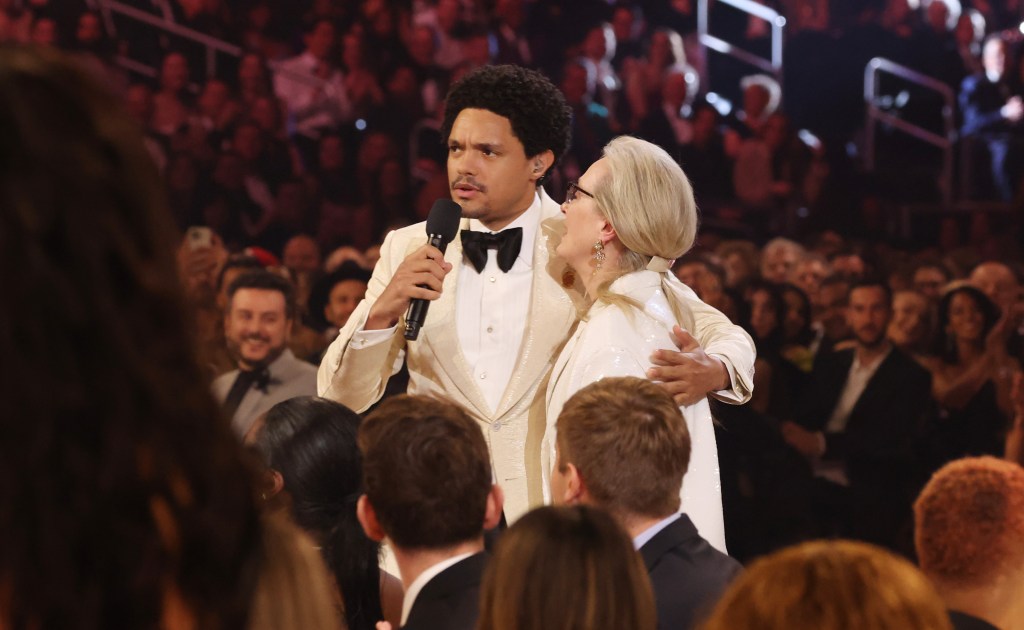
[502,304]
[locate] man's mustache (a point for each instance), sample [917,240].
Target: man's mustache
[468,181]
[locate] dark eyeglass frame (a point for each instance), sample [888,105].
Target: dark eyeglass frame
[572,189]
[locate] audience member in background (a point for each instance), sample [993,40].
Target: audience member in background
[809,272]
[858,424]
[972,377]
[839,585]
[992,114]
[741,260]
[333,299]
[258,322]
[1000,283]
[772,373]
[705,161]
[912,323]
[707,279]
[126,500]
[849,264]
[429,491]
[171,106]
[779,258]
[930,278]
[566,567]
[969,537]
[314,472]
[623,446]
[253,79]
[336,295]
[799,341]
[830,321]
[312,87]
[761,97]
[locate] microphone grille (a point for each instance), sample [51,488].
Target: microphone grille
[443,219]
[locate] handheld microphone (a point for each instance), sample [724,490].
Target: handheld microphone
[442,225]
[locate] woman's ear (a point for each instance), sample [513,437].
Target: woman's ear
[607,232]
[271,485]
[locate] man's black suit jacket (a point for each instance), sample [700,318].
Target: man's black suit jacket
[688,574]
[451,599]
[878,447]
[980,102]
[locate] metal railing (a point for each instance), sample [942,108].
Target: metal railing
[875,114]
[212,46]
[777,21]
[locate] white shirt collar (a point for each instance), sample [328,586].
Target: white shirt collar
[421,581]
[529,221]
[652,531]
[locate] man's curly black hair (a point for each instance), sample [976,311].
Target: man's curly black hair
[536,108]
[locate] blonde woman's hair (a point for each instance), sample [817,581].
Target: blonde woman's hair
[649,201]
[830,585]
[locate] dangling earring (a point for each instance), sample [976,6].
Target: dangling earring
[598,255]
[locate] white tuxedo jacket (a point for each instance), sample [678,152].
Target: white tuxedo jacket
[357,376]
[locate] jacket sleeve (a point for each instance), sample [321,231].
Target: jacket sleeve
[355,373]
[719,337]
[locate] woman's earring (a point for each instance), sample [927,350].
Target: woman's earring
[598,255]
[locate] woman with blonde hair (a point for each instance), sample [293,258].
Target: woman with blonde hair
[830,585]
[629,216]
[566,568]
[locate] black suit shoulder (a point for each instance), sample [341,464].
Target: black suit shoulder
[687,574]
[451,599]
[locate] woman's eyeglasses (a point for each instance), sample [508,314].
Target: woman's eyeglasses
[572,190]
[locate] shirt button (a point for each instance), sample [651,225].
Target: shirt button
[483,375]
[490,329]
[496,426]
[493,278]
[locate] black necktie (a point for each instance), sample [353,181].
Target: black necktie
[244,381]
[508,242]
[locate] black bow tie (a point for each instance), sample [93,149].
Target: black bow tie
[508,243]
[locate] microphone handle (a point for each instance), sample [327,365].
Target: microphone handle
[417,312]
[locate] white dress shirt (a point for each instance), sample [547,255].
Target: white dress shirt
[492,308]
[490,313]
[645,536]
[312,103]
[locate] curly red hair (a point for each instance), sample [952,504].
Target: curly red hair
[969,521]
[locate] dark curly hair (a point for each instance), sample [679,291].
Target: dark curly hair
[120,480]
[945,346]
[540,117]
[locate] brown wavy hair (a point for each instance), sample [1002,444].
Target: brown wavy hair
[566,568]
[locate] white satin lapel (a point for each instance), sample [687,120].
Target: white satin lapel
[441,336]
[551,316]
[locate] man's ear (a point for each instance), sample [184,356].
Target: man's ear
[541,163]
[575,486]
[368,519]
[495,504]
